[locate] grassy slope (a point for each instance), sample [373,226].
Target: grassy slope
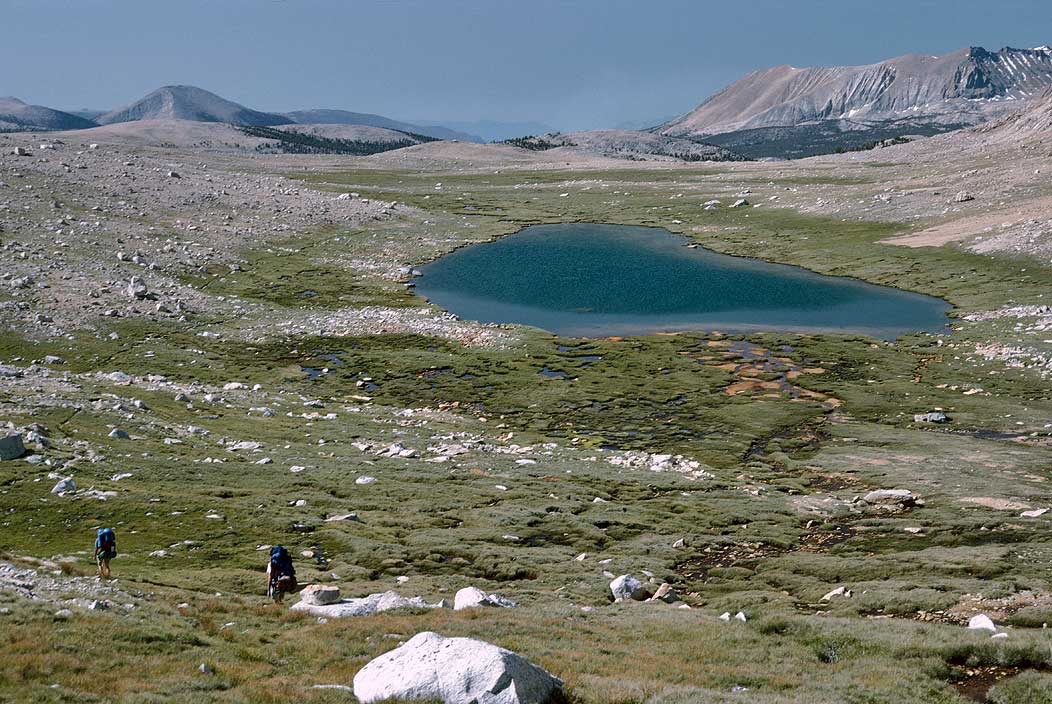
[751,544]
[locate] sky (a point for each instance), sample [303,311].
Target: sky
[571,64]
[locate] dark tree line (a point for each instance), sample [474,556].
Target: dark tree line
[299,143]
[538,143]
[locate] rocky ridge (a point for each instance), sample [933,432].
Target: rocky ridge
[967,86]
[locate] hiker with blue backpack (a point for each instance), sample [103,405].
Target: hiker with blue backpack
[105,550]
[281,575]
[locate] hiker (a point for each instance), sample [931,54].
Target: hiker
[281,575]
[105,550]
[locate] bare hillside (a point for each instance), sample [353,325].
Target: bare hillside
[189,103]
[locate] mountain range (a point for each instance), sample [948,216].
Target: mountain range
[912,94]
[321,116]
[198,105]
[782,111]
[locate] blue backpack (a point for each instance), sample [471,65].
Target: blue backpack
[281,562]
[106,541]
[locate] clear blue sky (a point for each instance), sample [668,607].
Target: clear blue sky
[571,63]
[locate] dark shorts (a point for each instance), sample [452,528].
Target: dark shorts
[107,555]
[284,583]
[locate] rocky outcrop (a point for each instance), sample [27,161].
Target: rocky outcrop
[364,606]
[454,671]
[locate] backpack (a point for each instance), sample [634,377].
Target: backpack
[281,563]
[106,541]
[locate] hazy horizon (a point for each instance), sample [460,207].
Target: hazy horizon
[572,65]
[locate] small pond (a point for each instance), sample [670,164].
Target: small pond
[591,280]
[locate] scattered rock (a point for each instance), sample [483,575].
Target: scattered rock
[64,486]
[932,417]
[471,597]
[839,591]
[660,462]
[120,434]
[397,450]
[11,447]
[454,671]
[352,516]
[963,197]
[365,479]
[666,594]
[136,288]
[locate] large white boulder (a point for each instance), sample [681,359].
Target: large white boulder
[365,606]
[981,622]
[320,594]
[470,597]
[628,587]
[454,671]
[886,497]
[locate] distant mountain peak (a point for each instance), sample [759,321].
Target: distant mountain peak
[183,102]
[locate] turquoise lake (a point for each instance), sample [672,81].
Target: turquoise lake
[591,280]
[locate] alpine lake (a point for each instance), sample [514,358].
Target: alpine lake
[597,280]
